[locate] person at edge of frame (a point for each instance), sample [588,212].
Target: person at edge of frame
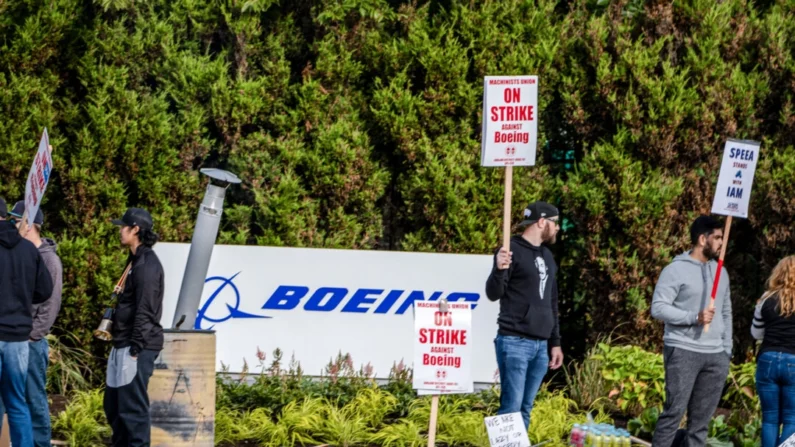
[137,334]
[523,280]
[24,282]
[774,325]
[44,316]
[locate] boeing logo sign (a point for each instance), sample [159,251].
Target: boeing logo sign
[224,302]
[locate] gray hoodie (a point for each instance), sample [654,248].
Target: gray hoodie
[44,314]
[684,290]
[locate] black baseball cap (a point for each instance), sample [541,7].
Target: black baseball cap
[19,211]
[135,217]
[3,208]
[538,210]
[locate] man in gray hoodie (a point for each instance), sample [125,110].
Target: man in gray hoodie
[44,315]
[696,362]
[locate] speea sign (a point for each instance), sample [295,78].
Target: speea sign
[316,303]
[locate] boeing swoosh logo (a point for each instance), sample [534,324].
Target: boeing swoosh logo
[234,311]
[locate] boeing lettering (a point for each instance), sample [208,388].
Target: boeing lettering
[326,299]
[321,299]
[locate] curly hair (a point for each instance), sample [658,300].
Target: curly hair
[782,284]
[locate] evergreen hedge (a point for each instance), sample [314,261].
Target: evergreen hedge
[356,124]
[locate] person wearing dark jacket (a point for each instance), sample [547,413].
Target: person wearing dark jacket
[44,315]
[523,280]
[24,282]
[137,334]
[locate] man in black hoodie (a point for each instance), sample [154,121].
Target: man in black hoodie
[137,334]
[523,280]
[24,281]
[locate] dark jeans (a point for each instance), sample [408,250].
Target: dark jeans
[775,383]
[523,364]
[126,399]
[13,380]
[693,383]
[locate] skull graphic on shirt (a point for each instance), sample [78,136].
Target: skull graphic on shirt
[543,273]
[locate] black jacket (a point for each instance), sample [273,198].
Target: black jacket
[528,296]
[24,281]
[136,322]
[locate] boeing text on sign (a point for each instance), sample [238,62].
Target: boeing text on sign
[316,303]
[510,121]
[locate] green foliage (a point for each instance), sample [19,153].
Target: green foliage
[720,430]
[586,383]
[553,417]
[83,422]
[356,124]
[645,423]
[69,367]
[741,392]
[636,376]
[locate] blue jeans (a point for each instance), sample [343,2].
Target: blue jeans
[523,364]
[13,380]
[775,383]
[37,392]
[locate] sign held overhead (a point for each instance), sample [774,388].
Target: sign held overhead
[510,121]
[733,191]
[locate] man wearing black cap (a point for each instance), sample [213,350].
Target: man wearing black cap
[137,334]
[24,281]
[44,315]
[523,280]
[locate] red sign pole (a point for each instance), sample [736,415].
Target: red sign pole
[720,267]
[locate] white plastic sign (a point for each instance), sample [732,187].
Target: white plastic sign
[38,177]
[733,191]
[507,430]
[510,121]
[442,346]
[350,301]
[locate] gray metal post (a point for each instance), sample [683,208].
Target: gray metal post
[201,247]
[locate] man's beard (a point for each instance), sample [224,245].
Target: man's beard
[710,254]
[549,236]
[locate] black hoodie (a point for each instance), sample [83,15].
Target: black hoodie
[24,281]
[528,293]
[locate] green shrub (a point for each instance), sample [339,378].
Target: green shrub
[83,423]
[637,377]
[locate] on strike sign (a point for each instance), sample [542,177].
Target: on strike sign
[733,191]
[442,346]
[38,177]
[510,121]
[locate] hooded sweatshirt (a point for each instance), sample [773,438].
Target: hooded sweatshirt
[683,290]
[44,314]
[24,281]
[528,293]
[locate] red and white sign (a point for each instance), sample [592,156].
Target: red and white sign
[510,121]
[442,346]
[38,177]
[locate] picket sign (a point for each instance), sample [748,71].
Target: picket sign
[733,193]
[36,184]
[442,352]
[790,442]
[507,430]
[510,131]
